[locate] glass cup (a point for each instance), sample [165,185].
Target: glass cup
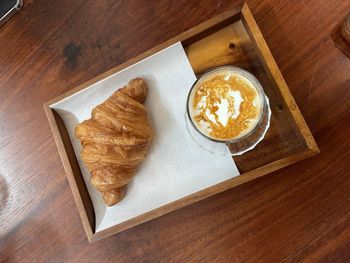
[239,144]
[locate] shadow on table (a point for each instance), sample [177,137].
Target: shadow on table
[3,193]
[339,40]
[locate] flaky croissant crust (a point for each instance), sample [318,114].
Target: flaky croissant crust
[115,140]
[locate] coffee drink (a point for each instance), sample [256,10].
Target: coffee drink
[226,104]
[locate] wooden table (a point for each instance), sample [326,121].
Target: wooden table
[298,214]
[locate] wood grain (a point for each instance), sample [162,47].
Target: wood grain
[298,214]
[72,169]
[222,47]
[232,45]
[218,41]
[341,38]
[275,74]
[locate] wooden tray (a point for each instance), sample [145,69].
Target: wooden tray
[230,38]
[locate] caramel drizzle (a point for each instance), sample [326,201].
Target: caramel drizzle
[217,89]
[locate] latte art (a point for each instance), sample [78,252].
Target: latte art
[225,105]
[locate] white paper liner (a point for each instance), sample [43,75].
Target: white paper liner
[175,166]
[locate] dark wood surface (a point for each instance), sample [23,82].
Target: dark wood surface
[298,214]
[234,38]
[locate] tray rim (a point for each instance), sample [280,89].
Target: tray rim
[266,57]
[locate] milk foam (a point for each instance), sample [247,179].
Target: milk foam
[224,112]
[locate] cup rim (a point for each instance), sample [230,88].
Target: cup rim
[250,77]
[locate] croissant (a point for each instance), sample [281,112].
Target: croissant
[115,140]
